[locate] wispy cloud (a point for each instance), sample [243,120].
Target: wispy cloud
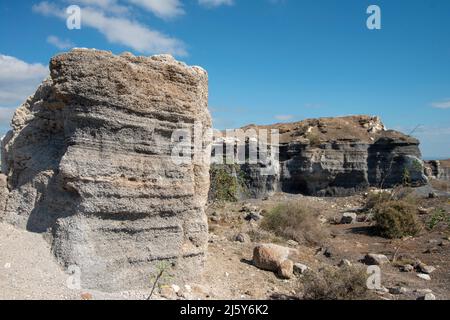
[18,79]
[215,3]
[119,28]
[59,43]
[441,104]
[162,8]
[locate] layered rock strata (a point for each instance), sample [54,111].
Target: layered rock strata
[89,164]
[334,157]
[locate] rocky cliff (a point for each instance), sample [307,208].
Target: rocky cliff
[88,163]
[331,157]
[438,169]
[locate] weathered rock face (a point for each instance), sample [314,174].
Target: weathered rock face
[438,169]
[89,162]
[336,157]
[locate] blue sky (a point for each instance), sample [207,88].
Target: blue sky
[268,60]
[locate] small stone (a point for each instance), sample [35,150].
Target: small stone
[328,252]
[424,211]
[421,267]
[423,291]
[242,238]
[375,259]
[253,216]
[382,290]
[407,268]
[348,218]
[167,292]
[300,269]
[398,290]
[214,219]
[345,263]
[424,276]
[175,288]
[188,288]
[86,296]
[432,195]
[428,296]
[7,265]
[292,243]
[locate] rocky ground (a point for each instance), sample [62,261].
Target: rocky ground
[30,272]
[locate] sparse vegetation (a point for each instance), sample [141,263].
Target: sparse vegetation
[225,183]
[295,221]
[331,283]
[406,177]
[160,277]
[373,199]
[396,219]
[314,140]
[438,217]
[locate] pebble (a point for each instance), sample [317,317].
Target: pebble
[300,268]
[344,263]
[407,268]
[428,297]
[424,276]
[376,259]
[398,290]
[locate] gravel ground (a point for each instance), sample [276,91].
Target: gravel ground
[28,269]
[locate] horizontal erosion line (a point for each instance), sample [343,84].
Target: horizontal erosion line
[169,229]
[144,196]
[86,105]
[137,215]
[167,257]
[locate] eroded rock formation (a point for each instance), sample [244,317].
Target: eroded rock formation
[88,162]
[333,157]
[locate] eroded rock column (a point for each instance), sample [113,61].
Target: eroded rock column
[89,162]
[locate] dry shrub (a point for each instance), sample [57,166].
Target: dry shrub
[396,219]
[331,283]
[295,221]
[373,199]
[395,213]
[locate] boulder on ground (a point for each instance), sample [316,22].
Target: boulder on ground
[375,259]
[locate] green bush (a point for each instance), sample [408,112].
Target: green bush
[396,219]
[314,140]
[228,183]
[295,221]
[439,216]
[331,283]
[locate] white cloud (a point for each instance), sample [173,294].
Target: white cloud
[441,104]
[286,117]
[120,29]
[106,5]
[215,3]
[161,8]
[59,43]
[18,80]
